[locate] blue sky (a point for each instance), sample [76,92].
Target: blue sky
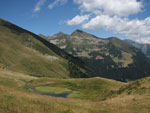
[103,18]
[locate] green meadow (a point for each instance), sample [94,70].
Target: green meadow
[91,88]
[89,95]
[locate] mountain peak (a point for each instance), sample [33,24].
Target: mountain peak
[59,34]
[113,38]
[80,31]
[77,32]
[83,34]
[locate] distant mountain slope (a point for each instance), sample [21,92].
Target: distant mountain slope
[145,48]
[25,52]
[109,58]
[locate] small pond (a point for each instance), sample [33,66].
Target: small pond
[63,95]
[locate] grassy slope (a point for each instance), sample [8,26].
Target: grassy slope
[14,99]
[25,52]
[21,58]
[133,97]
[140,87]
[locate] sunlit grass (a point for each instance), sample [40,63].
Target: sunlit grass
[15,100]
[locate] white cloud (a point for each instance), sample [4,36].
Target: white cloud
[109,15]
[131,28]
[38,5]
[110,7]
[78,19]
[57,2]
[100,21]
[114,15]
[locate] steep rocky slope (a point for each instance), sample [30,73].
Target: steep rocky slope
[109,58]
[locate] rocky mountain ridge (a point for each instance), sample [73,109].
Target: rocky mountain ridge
[110,58]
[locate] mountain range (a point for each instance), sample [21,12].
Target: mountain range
[109,58]
[79,55]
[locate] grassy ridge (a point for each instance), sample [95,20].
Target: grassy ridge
[24,52]
[18,57]
[140,87]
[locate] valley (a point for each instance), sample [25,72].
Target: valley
[36,76]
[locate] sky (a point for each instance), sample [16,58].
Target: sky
[125,19]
